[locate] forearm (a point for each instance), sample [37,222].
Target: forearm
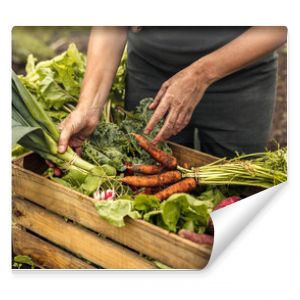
[241,52]
[105,49]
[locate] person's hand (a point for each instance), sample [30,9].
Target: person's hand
[77,127]
[177,99]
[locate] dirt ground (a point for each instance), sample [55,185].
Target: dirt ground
[279,132]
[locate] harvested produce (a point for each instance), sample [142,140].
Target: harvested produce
[167,160]
[33,129]
[175,197]
[227,201]
[56,82]
[113,143]
[177,212]
[265,169]
[153,180]
[183,186]
[145,169]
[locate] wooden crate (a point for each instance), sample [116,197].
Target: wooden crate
[40,210]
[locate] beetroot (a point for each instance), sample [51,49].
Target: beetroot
[199,238]
[227,201]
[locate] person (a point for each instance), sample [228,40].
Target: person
[219,82]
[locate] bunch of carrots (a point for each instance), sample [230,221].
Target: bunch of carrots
[161,180]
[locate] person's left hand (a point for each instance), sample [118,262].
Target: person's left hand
[177,99]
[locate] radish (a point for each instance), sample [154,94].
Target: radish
[227,201]
[199,238]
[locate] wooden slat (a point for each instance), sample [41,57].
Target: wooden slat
[44,254]
[73,237]
[193,157]
[139,235]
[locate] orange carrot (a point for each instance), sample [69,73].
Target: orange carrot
[183,186]
[152,180]
[169,161]
[145,169]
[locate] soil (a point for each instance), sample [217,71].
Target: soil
[279,131]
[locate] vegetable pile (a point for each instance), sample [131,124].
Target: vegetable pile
[119,167]
[265,169]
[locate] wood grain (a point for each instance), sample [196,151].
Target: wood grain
[139,235]
[193,157]
[72,237]
[44,254]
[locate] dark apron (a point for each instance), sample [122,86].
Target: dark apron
[235,113]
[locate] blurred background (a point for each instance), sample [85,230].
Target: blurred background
[46,42]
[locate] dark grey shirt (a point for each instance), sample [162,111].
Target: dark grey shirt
[235,112]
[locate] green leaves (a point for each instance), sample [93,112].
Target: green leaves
[211,197]
[17,150]
[19,260]
[114,212]
[56,83]
[24,98]
[181,208]
[33,129]
[107,145]
[19,131]
[54,97]
[145,203]
[178,211]
[114,145]
[86,183]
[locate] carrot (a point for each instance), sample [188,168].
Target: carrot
[199,238]
[183,186]
[152,180]
[145,169]
[169,161]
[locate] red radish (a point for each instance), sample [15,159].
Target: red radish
[199,238]
[107,195]
[57,172]
[227,201]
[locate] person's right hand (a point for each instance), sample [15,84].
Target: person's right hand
[76,127]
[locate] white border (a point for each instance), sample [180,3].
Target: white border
[261,263]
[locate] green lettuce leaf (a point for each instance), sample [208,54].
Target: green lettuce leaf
[145,203]
[114,212]
[180,208]
[211,197]
[53,95]
[56,82]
